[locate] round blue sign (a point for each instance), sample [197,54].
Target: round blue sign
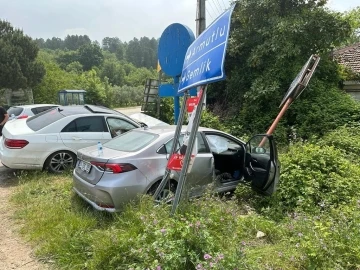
[173,44]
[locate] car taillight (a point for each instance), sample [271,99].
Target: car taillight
[114,167]
[22,116]
[15,144]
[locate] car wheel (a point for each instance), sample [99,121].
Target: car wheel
[167,195]
[60,161]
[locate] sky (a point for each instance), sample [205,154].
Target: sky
[125,19]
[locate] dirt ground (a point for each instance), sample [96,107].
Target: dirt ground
[15,253]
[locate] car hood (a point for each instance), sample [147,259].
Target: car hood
[91,153]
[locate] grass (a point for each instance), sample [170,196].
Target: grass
[312,222]
[72,235]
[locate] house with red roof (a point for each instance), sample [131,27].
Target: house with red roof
[350,57]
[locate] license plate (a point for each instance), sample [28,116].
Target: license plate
[84,166]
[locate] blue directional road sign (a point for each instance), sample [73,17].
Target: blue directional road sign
[170,90]
[204,59]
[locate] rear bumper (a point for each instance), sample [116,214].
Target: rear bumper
[21,158]
[112,191]
[93,204]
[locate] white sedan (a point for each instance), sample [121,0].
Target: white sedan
[51,139]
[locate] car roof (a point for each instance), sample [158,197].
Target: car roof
[87,109]
[32,105]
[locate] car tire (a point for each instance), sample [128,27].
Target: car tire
[60,161]
[167,194]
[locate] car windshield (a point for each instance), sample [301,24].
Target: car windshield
[44,119]
[131,141]
[15,111]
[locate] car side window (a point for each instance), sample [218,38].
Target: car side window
[86,124]
[118,126]
[34,110]
[259,145]
[219,143]
[200,143]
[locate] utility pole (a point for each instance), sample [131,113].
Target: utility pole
[200,17]
[200,25]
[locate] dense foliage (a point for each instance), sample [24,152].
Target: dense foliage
[265,54]
[310,223]
[18,65]
[140,52]
[107,80]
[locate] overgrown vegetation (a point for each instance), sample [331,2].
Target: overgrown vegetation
[310,223]
[265,54]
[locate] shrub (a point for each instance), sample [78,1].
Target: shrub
[210,120]
[313,179]
[346,139]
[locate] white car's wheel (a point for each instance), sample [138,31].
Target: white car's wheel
[60,162]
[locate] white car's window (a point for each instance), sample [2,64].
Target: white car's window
[118,126]
[44,119]
[15,111]
[86,124]
[41,109]
[131,141]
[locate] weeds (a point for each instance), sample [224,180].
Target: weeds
[311,222]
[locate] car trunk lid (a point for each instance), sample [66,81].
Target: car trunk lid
[89,166]
[16,128]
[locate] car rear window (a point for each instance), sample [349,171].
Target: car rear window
[44,119]
[15,111]
[131,141]
[41,109]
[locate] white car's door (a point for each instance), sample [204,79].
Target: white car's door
[84,131]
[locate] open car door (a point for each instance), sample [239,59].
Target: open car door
[261,166]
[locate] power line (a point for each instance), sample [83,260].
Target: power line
[213,9]
[216,6]
[207,11]
[224,4]
[219,5]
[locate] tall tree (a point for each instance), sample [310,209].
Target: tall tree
[133,53]
[74,42]
[114,45]
[54,43]
[18,65]
[353,17]
[113,71]
[90,55]
[270,41]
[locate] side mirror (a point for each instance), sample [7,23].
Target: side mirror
[143,124]
[259,150]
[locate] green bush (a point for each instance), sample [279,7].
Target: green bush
[346,139]
[313,179]
[207,233]
[322,109]
[210,120]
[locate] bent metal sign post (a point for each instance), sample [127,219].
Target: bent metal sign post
[203,64]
